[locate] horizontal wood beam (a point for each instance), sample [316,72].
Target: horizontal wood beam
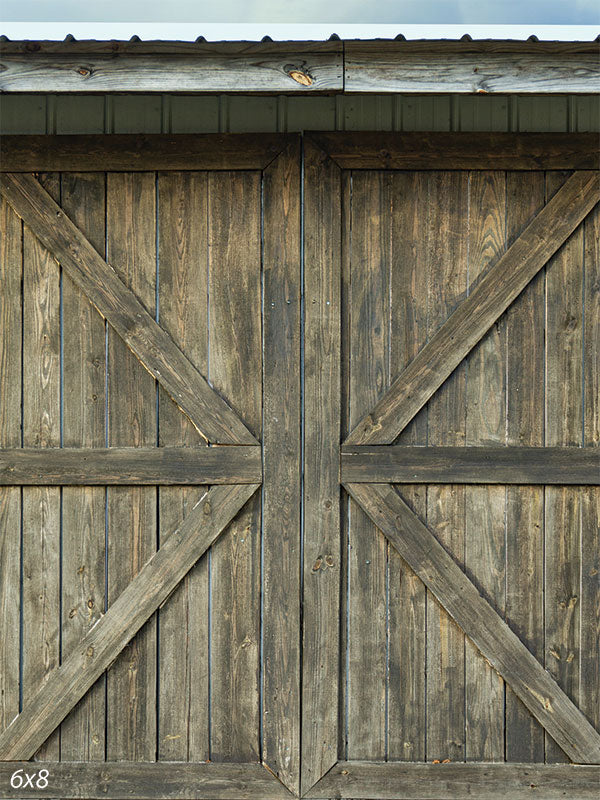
[117,152]
[498,644]
[444,150]
[67,684]
[156,350]
[517,465]
[140,781]
[500,286]
[392,68]
[412,781]
[130,466]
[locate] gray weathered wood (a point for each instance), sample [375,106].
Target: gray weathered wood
[164,780]
[505,465]
[282,467]
[138,152]
[427,150]
[388,781]
[494,293]
[322,375]
[462,600]
[391,67]
[119,304]
[66,684]
[130,466]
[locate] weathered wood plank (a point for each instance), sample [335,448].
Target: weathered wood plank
[293,71]
[138,152]
[83,509]
[41,428]
[505,465]
[392,68]
[119,304]
[234,291]
[282,288]
[48,706]
[525,505]
[423,150]
[495,292]
[500,646]
[164,780]
[322,398]
[183,636]
[485,505]
[369,308]
[11,273]
[130,465]
[377,781]
[446,265]
[131,513]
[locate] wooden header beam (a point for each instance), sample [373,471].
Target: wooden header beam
[301,67]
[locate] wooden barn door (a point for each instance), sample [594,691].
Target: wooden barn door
[150,470]
[452,345]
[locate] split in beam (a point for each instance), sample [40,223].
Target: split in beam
[498,644]
[131,466]
[577,466]
[67,684]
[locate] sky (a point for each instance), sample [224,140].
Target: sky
[465,12]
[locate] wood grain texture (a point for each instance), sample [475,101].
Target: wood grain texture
[393,69]
[282,466]
[525,505]
[106,290]
[463,601]
[134,152]
[126,615]
[377,781]
[475,465]
[234,285]
[11,272]
[41,428]
[322,398]
[83,508]
[130,465]
[444,150]
[503,282]
[164,780]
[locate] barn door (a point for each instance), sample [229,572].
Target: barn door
[452,345]
[150,498]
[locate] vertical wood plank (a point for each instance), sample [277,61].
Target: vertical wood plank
[564,343]
[282,290]
[84,373]
[447,239]
[485,505]
[41,428]
[525,321]
[322,554]
[235,372]
[369,304]
[407,596]
[11,271]
[131,689]
[183,621]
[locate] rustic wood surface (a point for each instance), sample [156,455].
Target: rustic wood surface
[117,302]
[322,552]
[433,150]
[282,290]
[494,293]
[463,601]
[137,152]
[164,780]
[505,465]
[389,781]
